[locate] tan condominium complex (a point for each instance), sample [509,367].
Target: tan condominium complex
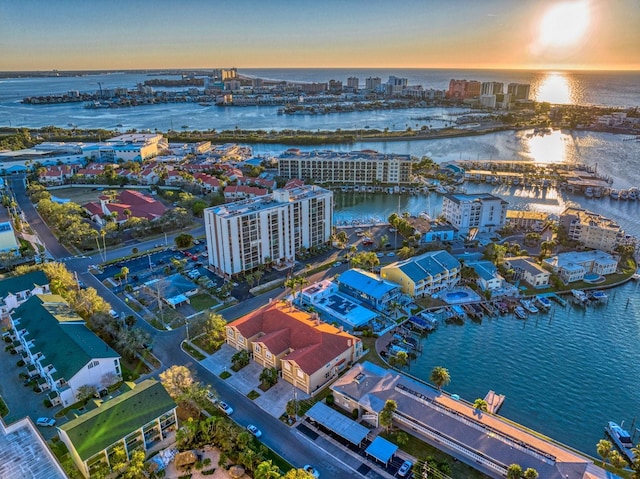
[353,168]
[593,230]
[267,229]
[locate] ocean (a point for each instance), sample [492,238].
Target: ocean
[565,373]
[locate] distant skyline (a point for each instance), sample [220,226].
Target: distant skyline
[142,34]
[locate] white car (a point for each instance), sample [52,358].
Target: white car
[254,430]
[311,470]
[46,421]
[225,408]
[405,468]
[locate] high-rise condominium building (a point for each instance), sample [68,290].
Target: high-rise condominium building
[479,213]
[273,228]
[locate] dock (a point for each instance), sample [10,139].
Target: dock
[494,401]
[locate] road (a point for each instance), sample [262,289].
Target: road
[286,441]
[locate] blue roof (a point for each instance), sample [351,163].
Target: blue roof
[366,282]
[428,264]
[381,449]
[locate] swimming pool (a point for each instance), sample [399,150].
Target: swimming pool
[456,295]
[459,295]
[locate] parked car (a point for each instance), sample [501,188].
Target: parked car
[405,468]
[46,421]
[337,263]
[390,254]
[211,397]
[311,470]
[225,408]
[254,430]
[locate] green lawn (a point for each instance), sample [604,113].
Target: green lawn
[203,301]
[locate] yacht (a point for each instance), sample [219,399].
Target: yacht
[599,296]
[544,302]
[588,192]
[615,194]
[624,194]
[633,194]
[520,312]
[622,438]
[580,296]
[529,306]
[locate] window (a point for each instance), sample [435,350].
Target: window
[300,374]
[286,365]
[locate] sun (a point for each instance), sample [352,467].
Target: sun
[564,24]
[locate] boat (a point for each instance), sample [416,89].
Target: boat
[633,194]
[615,194]
[520,312]
[588,192]
[599,296]
[624,194]
[544,302]
[529,306]
[580,296]
[622,439]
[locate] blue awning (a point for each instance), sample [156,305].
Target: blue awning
[381,449]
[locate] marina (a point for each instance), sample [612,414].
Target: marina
[494,402]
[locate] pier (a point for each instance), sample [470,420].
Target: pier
[494,401]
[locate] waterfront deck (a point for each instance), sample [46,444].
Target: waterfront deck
[494,401]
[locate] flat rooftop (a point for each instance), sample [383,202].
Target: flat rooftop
[23,453]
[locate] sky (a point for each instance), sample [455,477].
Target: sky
[143,34]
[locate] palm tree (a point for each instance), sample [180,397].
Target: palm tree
[481,405]
[385,417]
[440,377]
[124,271]
[267,470]
[402,359]
[616,460]
[603,448]
[531,473]
[514,471]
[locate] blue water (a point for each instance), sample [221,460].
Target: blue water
[565,373]
[566,377]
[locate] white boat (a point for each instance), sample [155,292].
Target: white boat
[622,438]
[599,296]
[615,194]
[588,192]
[579,295]
[520,312]
[633,194]
[624,194]
[529,306]
[544,302]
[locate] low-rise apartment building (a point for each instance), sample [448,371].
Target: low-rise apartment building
[368,288]
[425,274]
[245,234]
[527,220]
[474,213]
[56,344]
[15,290]
[591,229]
[139,419]
[309,352]
[354,168]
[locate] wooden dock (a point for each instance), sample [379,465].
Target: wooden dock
[494,401]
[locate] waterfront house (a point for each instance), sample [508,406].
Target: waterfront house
[573,266]
[56,344]
[489,279]
[309,352]
[15,290]
[368,288]
[526,269]
[425,274]
[141,418]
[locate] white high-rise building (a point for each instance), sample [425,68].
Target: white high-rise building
[243,235]
[474,213]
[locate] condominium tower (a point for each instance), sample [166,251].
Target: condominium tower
[272,228]
[474,213]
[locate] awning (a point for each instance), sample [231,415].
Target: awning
[381,449]
[338,423]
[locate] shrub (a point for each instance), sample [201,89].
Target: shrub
[20,363]
[206,462]
[355,413]
[208,472]
[47,403]
[330,400]
[36,389]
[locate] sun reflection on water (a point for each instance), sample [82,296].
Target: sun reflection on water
[547,147]
[554,88]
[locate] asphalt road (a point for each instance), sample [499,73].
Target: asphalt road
[284,440]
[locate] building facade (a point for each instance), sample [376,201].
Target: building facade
[271,228]
[425,274]
[591,229]
[15,290]
[526,269]
[368,288]
[573,266]
[309,352]
[353,168]
[527,220]
[56,344]
[139,419]
[474,213]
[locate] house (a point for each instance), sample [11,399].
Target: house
[93,169]
[57,174]
[8,241]
[56,344]
[526,269]
[15,290]
[488,277]
[573,266]
[208,182]
[309,352]
[141,418]
[368,288]
[425,274]
[126,204]
[240,192]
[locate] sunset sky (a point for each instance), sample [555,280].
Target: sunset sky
[143,34]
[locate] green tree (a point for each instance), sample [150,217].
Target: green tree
[514,471]
[269,377]
[402,438]
[440,377]
[240,359]
[531,473]
[481,405]
[124,271]
[402,359]
[182,387]
[616,460]
[214,331]
[184,240]
[385,417]
[135,468]
[267,470]
[603,448]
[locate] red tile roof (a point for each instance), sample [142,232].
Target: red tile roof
[314,344]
